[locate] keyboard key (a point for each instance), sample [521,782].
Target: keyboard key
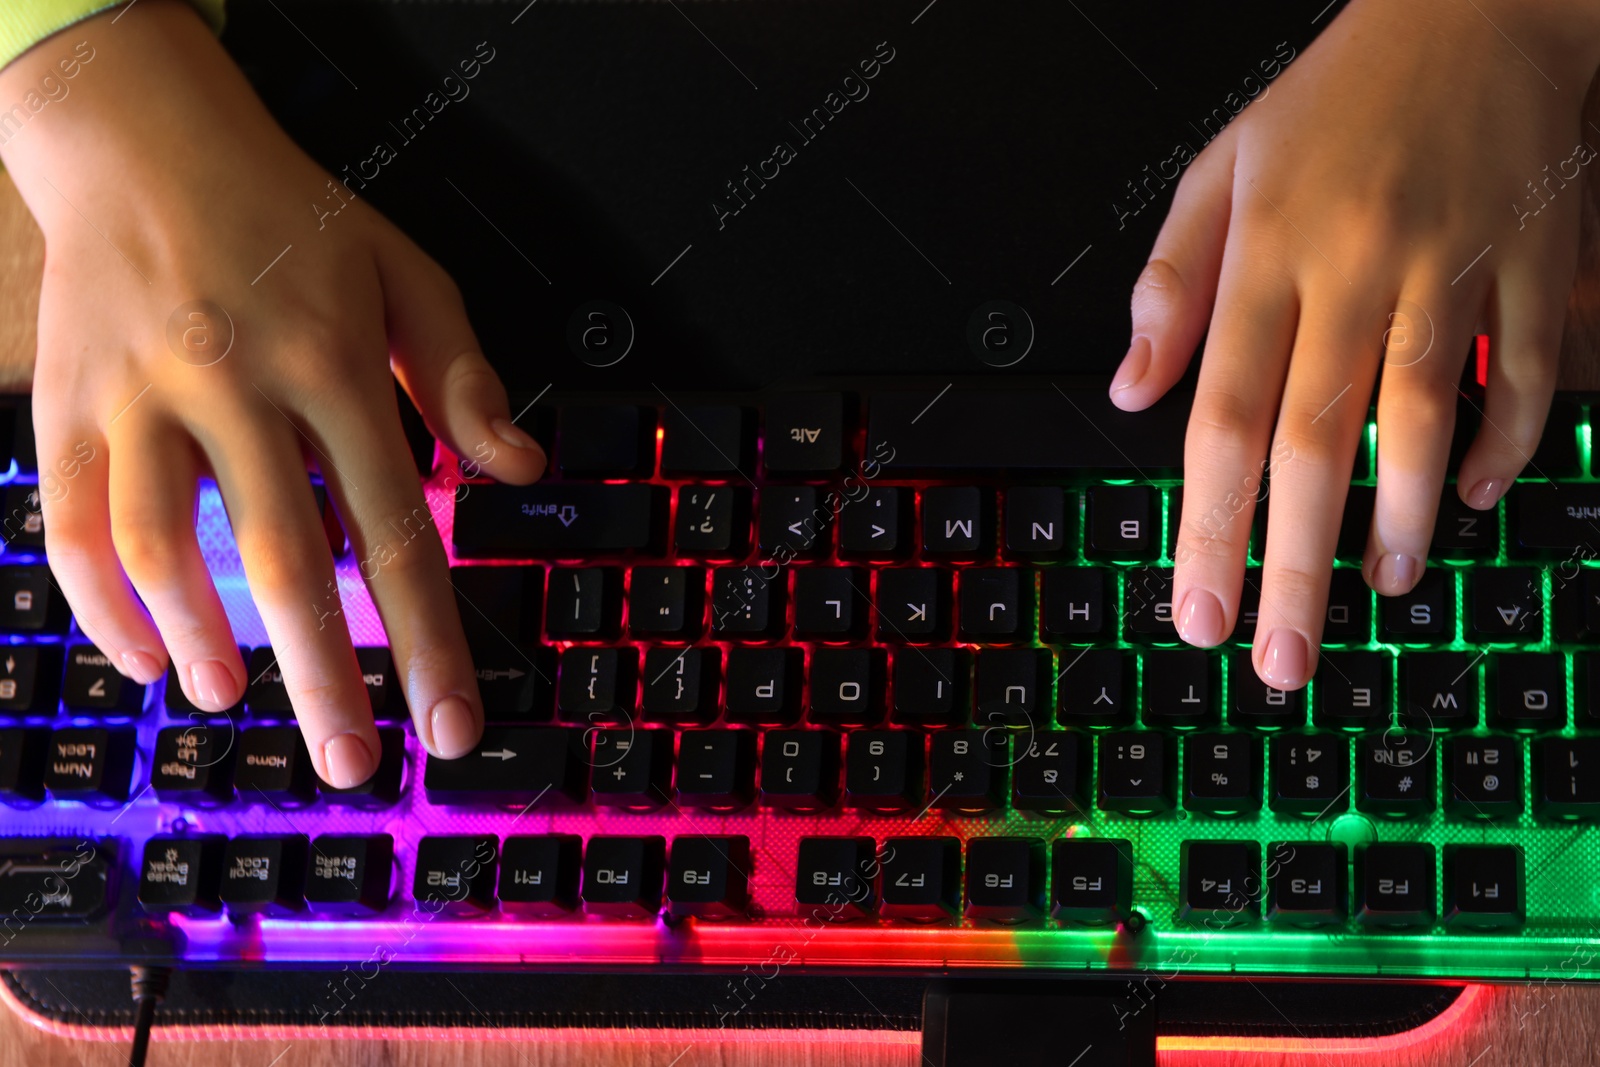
[182,873]
[847,686]
[745,605]
[1507,604]
[713,521]
[800,769]
[1356,524]
[1566,774]
[1136,772]
[930,686]
[883,770]
[1424,615]
[622,876]
[1485,776]
[500,612]
[1527,690]
[92,686]
[456,875]
[709,877]
[707,439]
[178,706]
[957,522]
[609,441]
[23,751]
[264,874]
[495,521]
[383,788]
[513,766]
[1040,521]
[350,874]
[1483,886]
[1073,605]
[91,764]
[996,604]
[1546,521]
[680,685]
[1394,884]
[30,680]
[1013,686]
[1557,455]
[33,869]
[273,767]
[630,768]
[794,523]
[1005,879]
[194,764]
[921,879]
[1147,605]
[1439,690]
[1051,774]
[266,695]
[1310,774]
[22,528]
[1220,883]
[1179,688]
[584,603]
[830,603]
[1395,772]
[1222,773]
[1349,614]
[377,674]
[804,433]
[834,878]
[1091,880]
[539,875]
[1252,702]
[1122,523]
[874,526]
[966,769]
[716,768]
[597,685]
[1463,533]
[764,685]
[30,603]
[913,604]
[1305,883]
[1095,687]
[1352,690]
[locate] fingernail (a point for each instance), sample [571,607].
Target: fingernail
[512,434]
[142,666]
[1485,493]
[1134,365]
[1283,664]
[1200,619]
[1395,573]
[455,727]
[348,761]
[208,680]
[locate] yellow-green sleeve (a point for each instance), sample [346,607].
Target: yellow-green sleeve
[24,23]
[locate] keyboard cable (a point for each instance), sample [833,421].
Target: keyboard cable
[149,989]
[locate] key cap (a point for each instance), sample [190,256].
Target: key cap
[266,695]
[500,612]
[847,686]
[717,769]
[764,685]
[1557,455]
[608,441]
[1527,690]
[622,876]
[967,769]
[1121,523]
[631,768]
[1552,521]
[92,686]
[793,523]
[1178,688]
[178,706]
[30,680]
[1566,782]
[1013,686]
[513,766]
[597,685]
[1394,884]
[709,877]
[383,788]
[1352,690]
[1310,774]
[996,604]
[456,875]
[1041,521]
[56,879]
[1463,533]
[91,764]
[1091,880]
[713,521]
[182,873]
[495,521]
[539,875]
[707,439]
[1147,605]
[913,604]
[264,874]
[681,684]
[957,522]
[745,605]
[1094,687]
[1220,883]
[23,751]
[883,770]
[1136,772]
[1439,690]
[804,433]
[1424,615]
[799,769]
[930,685]
[1051,772]
[273,767]
[350,874]
[834,878]
[1244,626]
[1005,879]
[584,603]
[874,527]
[1357,523]
[1485,776]
[1349,615]
[30,603]
[1252,702]
[377,674]
[921,879]
[1395,773]
[194,764]
[1305,883]
[1222,773]
[1483,886]
[1073,605]
[1507,604]
[830,603]
[666,602]
[23,526]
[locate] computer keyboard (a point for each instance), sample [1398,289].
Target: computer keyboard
[882,678]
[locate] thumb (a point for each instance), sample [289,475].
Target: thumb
[436,357]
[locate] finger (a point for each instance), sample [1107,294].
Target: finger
[1416,417]
[281,541]
[437,359]
[1173,297]
[152,497]
[1335,359]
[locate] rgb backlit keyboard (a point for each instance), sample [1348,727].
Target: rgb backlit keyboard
[873,679]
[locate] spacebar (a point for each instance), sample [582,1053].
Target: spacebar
[1046,428]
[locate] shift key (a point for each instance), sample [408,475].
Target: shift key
[512,766]
[1554,520]
[520,521]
